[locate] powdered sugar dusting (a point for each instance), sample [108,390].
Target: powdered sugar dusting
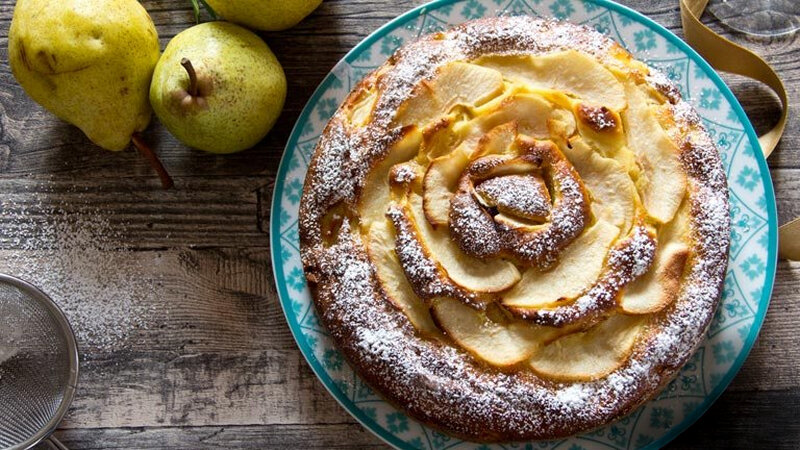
[524,196]
[637,255]
[73,253]
[629,259]
[477,234]
[441,384]
[423,272]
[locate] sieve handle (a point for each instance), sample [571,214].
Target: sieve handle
[55,443]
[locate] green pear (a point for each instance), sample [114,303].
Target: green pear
[267,15]
[89,62]
[218,87]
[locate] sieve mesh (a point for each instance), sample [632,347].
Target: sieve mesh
[38,364]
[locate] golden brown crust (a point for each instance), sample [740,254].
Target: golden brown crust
[671,275]
[598,118]
[436,382]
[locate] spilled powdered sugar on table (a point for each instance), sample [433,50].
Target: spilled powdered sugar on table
[76,253]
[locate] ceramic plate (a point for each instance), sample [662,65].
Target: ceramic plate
[751,269]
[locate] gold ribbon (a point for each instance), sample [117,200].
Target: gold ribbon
[727,56]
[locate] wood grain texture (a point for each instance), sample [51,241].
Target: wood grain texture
[217,366]
[735,421]
[320,436]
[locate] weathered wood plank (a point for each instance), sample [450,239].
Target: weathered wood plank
[157,388]
[786,183]
[736,420]
[214,348]
[323,436]
[187,301]
[740,420]
[200,211]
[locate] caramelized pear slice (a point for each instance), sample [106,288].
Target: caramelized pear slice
[440,183]
[380,247]
[662,183]
[470,273]
[498,140]
[421,108]
[590,354]
[602,129]
[578,268]
[437,138]
[513,223]
[376,193]
[561,124]
[499,343]
[570,71]
[530,111]
[679,226]
[612,190]
[455,83]
[360,109]
[660,286]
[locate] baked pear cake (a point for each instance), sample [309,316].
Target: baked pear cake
[514,230]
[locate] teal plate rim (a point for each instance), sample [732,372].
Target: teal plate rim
[772,248]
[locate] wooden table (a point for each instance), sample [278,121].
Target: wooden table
[214,364]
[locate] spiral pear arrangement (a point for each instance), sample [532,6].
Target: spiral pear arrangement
[530,208]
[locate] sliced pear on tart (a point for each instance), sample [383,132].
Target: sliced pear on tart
[578,268]
[516,223]
[570,71]
[662,182]
[376,193]
[422,107]
[461,83]
[612,190]
[493,166]
[359,109]
[660,286]
[437,138]
[473,274]
[561,125]
[590,354]
[380,247]
[439,184]
[530,111]
[455,83]
[498,140]
[598,122]
[679,226]
[499,343]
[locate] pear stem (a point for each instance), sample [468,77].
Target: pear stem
[192,76]
[150,156]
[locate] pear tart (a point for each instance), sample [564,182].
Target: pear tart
[514,230]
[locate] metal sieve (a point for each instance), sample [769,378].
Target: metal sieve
[38,365]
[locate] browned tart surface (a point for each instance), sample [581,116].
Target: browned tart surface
[514,230]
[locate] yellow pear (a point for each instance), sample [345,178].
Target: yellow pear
[89,62]
[268,15]
[218,87]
